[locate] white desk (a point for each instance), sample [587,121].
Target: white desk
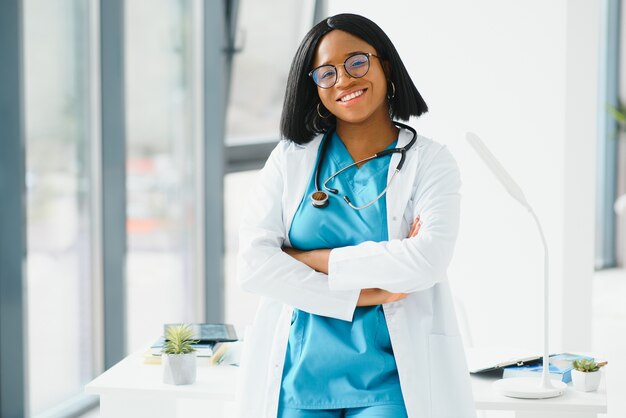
[134,389]
[572,404]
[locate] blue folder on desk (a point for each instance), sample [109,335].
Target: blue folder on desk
[560,367]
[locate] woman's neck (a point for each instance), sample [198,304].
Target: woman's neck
[364,139]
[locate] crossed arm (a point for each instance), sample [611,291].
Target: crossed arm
[332,282]
[318,261]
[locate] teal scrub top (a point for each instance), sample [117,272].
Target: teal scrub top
[331,363]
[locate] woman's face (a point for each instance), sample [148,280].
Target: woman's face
[334,48]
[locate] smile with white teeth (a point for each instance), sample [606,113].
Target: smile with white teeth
[352,95]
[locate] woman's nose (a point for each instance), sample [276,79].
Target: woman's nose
[341,72]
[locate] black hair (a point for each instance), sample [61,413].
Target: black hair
[300,121]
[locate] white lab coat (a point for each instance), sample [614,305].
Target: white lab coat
[423,327]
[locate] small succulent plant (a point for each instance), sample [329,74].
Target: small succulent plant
[179,340]
[587,366]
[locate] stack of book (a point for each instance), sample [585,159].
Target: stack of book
[212,342]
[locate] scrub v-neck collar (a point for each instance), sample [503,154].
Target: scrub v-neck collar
[339,153]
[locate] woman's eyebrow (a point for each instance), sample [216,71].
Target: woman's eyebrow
[354,52]
[346,55]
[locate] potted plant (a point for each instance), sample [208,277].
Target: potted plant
[586,375]
[179,356]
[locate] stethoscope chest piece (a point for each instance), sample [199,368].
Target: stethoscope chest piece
[319,199]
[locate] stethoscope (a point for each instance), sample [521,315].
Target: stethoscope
[319,198]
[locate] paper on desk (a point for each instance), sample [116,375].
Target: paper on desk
[233,354]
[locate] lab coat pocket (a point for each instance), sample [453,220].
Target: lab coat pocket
[449,378]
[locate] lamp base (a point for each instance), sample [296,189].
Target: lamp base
[529,388]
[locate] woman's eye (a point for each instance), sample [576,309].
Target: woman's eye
[359,63]
[327,74]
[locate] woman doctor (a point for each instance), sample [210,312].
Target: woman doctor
[347,236]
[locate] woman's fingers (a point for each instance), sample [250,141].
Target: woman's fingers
[415,227]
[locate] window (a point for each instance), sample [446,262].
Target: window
[59,212]
[161,170]
[240,306]
[260,70]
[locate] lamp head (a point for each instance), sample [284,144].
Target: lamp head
[497,169]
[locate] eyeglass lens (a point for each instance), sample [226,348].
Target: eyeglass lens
[355,65]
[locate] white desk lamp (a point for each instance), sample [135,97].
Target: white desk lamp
[523,387]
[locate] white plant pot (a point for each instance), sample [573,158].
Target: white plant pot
[586,382]
[179,369]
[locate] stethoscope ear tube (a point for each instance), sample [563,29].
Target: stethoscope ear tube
[402,157]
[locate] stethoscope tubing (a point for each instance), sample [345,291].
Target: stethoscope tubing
[320,198]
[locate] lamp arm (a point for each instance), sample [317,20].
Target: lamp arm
[518,387]
[545,376]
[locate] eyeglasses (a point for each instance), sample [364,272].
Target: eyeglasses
[356,66]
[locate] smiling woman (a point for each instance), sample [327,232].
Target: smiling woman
[357,97]
[357,316]
[336,44]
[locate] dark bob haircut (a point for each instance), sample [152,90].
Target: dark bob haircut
[300,121]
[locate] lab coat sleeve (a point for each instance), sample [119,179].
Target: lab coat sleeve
[262,266]
[409,264]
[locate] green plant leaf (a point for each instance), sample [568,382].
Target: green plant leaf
[179,340]
[586,366]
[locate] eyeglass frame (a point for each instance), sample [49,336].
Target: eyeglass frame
[369,64]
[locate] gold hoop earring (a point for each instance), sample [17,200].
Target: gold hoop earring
[393,93]
[318,111]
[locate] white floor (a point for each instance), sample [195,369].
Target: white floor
[609,338]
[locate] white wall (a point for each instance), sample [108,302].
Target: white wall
[522,75]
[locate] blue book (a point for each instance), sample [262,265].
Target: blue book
[560,367]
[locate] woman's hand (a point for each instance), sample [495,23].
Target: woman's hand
[415,227]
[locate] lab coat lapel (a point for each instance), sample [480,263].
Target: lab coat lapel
[300,163]
[400,190]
